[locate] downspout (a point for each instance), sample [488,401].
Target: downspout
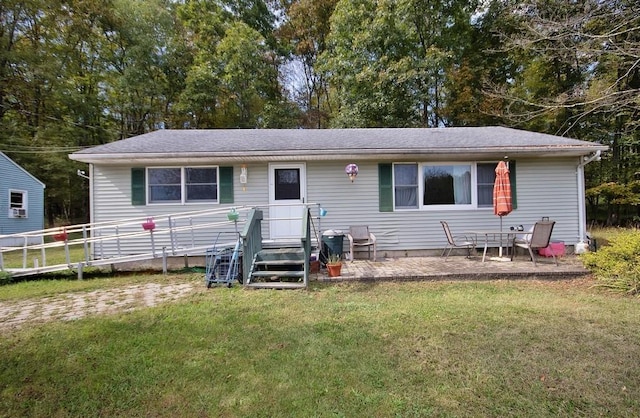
[582,205]
[91,193]
[91,207]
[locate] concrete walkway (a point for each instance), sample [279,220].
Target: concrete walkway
[457,268]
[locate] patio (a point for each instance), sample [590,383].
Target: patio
[455,268]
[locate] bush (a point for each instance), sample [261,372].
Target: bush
[5,278]
[617,265]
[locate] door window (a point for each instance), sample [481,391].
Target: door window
[287,183]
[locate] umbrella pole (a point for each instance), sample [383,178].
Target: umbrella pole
[500,250]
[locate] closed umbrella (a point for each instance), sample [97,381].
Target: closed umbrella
[502,193]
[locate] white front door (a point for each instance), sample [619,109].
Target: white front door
[287,195]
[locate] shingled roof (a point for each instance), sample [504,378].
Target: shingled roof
[331,144]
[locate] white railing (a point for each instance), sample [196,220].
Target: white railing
[133,239]
[117,241]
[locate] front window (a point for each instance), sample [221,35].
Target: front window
[202,184]
[165,185]
[183,184]
[443,185]
[446,184]
[486,179]
[405,177]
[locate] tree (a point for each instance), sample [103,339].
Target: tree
[401,63]
[307,29]
[248,74]
[578,75]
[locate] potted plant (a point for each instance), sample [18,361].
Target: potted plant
[334,265]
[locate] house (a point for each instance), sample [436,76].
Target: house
[21,201]
[407,179]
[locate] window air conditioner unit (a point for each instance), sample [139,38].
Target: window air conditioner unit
[19,213]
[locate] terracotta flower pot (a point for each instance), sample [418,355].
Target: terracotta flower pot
[334,269]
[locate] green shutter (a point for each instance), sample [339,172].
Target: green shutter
[226,184]
[138,186]
[385,187]
[512,181]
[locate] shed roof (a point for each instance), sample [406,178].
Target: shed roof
[195,145]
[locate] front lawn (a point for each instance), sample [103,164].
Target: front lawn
[464,349]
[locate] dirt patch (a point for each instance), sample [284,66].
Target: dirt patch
[72,306]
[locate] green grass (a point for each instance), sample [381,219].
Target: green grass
[389,349]
[53,255]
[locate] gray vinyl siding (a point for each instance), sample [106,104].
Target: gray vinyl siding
[545,187]
[14,177]
[112,197]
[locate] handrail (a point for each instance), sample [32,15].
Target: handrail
[306,243]
[251,236]
[93,236]
[112,242]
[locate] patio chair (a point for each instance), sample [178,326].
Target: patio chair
[457,241]
[360,236]
[539,238]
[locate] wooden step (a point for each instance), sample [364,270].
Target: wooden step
[276,285]
[275,254]
[279,263]
[277,273]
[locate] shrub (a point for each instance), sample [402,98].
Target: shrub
[5,278]
[617,265]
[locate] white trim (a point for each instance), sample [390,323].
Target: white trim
[428,208]
[23,210]
[288,227]
[582,206]
[183,186]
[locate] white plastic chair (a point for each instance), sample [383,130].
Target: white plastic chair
[360,236]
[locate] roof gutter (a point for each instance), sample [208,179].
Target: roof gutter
[328,155]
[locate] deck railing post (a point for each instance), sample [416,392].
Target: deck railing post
[117,241]
[24,253]
[193,238]
[164,260]
[85,243]
[42,251]
[172,235]
[66,254]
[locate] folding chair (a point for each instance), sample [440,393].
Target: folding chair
[457,241]
[539,238]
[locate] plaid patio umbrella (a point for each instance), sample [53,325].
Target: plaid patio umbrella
[502,194]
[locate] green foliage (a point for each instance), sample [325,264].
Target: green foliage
[617,265]
[5,278]
[79,73]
